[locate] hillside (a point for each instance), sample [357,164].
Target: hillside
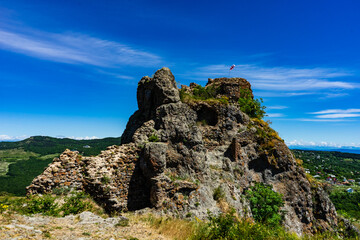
[343,166]
[340,172]
[21,161]
[48,145]
[189,151]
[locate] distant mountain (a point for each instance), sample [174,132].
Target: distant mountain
[328,149]
[44,145]
[21,161]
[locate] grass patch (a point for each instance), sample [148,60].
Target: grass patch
[228,226]
[50,205]
[154,138]
[172,227]
[11,155]
[218,193]
[203,94]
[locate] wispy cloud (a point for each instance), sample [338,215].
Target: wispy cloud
[302,143]
[83,138]
[275,115]
[337,113]
[76,48]
[321,120]
[4,137]
[276,107]
[295,143]
[334,95]
[282,78]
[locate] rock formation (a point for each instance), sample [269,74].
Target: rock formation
[177,149]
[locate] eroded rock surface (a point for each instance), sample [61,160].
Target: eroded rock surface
[175,153]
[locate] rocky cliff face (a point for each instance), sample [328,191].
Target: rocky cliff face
[177,149]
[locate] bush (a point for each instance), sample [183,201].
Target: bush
[46,204]
[3,207]
[154,138]
[229,227]
[204,93]
[207,94]
[75,204]
[347,203]
[251,106]
[218,193]
[41,204]
[265,204]
[61,190]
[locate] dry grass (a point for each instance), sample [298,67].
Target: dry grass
[172,228]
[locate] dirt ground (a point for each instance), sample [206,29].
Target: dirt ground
[82,226]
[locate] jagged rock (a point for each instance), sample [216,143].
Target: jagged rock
[154,159]
[230,87]
[202,145]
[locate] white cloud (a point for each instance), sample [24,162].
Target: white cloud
[76,48]
[302,143]
[276,107]
[322,120]
[337,113]
[83,138]
[275,115]
[282,78]
[17,138]
[334,95]
[4,137]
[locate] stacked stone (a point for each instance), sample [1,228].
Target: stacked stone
[63,172]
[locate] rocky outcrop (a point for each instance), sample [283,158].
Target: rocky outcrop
[178,148]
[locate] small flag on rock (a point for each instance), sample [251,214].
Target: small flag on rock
[232,67]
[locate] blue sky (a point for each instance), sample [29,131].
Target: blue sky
[70,68]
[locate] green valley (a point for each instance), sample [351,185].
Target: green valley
[339,173]
[22,161]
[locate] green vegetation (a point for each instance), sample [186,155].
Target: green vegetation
[154,138]
[207,94]
[76,203]
[21,162]
[251,106]
[203,93]
[265,204]
[105,179]
[347,204]
[218,193]
[21,174]
[49,205]
[40,204]
[324,163]
[12,155]
[211,95]
[228,226]
[48,145]
[123,222]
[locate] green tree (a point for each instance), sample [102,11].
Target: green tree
[265,204]
[251,106]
